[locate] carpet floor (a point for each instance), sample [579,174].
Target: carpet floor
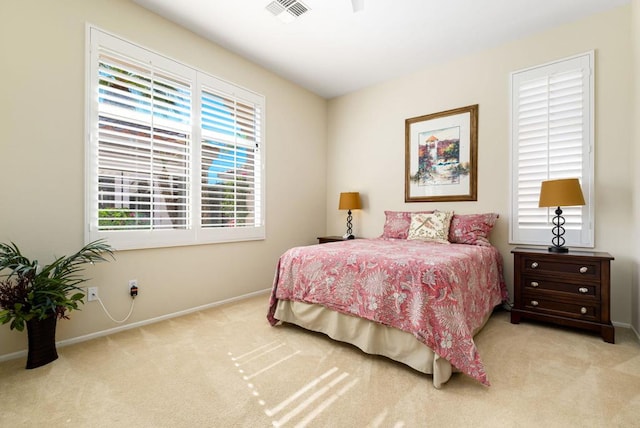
[226,367]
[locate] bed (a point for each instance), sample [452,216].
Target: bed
[418,302]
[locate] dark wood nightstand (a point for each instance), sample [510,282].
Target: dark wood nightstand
[570,289]
[325,239]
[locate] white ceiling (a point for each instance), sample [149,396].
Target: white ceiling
[332,50]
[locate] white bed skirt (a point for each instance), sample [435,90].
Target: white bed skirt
[371,337]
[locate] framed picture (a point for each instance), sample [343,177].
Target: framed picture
[441,156]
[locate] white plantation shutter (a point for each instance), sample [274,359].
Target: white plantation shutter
[144,156]
[149,181]
[552,138]
[231,139]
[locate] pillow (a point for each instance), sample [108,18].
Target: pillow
[396,224]
[472,229]
[432,227]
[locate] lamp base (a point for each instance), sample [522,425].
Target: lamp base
[558,250]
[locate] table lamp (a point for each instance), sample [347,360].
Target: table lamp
[349,201]
[556,193]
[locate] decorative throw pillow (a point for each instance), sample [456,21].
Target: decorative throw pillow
[472,229]
[396,224]
[432,227]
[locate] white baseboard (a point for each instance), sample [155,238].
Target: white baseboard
[629,326]
[79,339]
[621,324]
[636,332]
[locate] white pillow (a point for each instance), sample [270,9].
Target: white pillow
[432,227]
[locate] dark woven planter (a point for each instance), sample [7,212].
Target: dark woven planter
[42,342]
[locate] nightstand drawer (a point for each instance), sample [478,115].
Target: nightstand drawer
[580,270]
[586,311]
[541,283]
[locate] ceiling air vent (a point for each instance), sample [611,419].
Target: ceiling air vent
[287,10]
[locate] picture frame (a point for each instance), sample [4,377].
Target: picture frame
[441,156]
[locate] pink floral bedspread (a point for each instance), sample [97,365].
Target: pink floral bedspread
[440,293]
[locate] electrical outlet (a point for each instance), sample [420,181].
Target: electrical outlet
[133,288]
[92,294]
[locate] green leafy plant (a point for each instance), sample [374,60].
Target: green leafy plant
[31,291]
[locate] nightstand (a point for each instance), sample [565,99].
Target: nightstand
[325,239]
[570,289]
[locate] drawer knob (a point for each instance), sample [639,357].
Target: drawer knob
[584,269]
[534,284]
[583,289]
[583,310]
[534,265]
[535,303]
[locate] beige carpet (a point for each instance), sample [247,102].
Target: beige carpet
[226,367]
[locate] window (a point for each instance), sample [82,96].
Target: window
[174,156]
[552,138]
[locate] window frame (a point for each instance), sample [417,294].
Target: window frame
[194,232]
[542,235]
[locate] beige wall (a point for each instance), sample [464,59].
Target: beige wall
[42,153]
[366,137]
[635,160]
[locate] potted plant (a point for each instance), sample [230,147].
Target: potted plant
[37,296]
